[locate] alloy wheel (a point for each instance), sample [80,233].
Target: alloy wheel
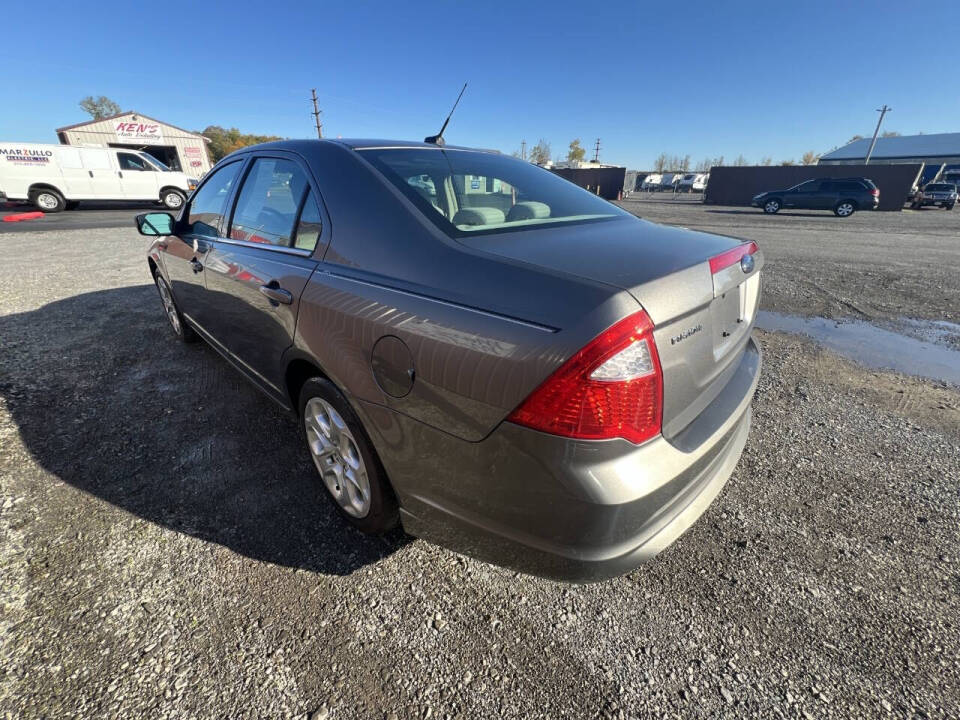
[46,201]
[337,457]
[169,307]
[844,209]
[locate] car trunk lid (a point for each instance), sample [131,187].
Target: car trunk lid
[700,298]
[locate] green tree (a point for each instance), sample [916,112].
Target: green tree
[540,153]
[100,107]
[576,153]
[223,141]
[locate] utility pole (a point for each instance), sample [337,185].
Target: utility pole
[316,114]
[883,111]
[523,149]
[596,151]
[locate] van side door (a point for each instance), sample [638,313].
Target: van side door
[100,167]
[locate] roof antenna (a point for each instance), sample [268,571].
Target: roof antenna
[438,138]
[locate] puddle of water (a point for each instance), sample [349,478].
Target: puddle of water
[873,346]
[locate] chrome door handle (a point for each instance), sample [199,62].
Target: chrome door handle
[276,293]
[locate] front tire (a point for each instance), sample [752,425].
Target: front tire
[345,459]
[948,207]
[184,332]
[845,208]
[172,199]
[48,201]
[771,207]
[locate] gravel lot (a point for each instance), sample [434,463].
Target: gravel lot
[165,551]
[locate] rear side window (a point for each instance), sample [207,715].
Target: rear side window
[310,225]
[269,201]
[209,202]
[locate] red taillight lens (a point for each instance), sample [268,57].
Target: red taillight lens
[875,192]
[611,388]
[731,256]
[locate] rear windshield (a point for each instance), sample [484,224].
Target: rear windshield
[941,187]
[471,193]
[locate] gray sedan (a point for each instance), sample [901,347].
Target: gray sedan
[498,360]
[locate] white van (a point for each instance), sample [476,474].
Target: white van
[651,182]
[693,182]
[669,181]
[56,177]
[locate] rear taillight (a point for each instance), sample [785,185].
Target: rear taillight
[731,257]
[875,192]
[611,388]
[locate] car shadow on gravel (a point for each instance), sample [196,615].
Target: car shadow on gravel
[108,400]
[781,213]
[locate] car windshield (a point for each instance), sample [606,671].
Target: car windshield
[469,192]
[153,161]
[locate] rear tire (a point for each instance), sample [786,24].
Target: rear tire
[347,464]
[948,207]
[771,207]
[48,201]
[845,208]
[172,199]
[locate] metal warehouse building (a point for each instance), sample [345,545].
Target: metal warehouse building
[177,148]
[940,149]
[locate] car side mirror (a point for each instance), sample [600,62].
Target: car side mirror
[154,224]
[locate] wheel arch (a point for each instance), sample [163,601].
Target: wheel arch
[34,187]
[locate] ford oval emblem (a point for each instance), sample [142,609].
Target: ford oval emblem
[746,264]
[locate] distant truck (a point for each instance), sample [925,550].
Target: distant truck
[57,177]
[651,182]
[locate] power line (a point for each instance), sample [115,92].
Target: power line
[316,114]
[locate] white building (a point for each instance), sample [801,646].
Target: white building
[177,148]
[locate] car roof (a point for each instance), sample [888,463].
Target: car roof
[354,144]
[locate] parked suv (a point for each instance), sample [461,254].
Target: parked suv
[842,195]
[942,194]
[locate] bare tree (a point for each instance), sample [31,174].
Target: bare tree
[809,158]
[540,153]
[889,133]
[740,161]
[661,163]
[854,139]
[100,107]
[766,161]
[685,163]
[787,163]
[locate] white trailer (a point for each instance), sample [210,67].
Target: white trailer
[57,177]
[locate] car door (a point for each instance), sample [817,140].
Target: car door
[104,181]
[200,223]
[256,274]
[138,178]
[803,196]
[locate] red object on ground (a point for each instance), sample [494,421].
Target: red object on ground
[17,217]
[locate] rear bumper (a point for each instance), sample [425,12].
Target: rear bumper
[565,509]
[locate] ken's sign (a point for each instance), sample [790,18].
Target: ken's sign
[141,132]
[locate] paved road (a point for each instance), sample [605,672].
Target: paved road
[86,217]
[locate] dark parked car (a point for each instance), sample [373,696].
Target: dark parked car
[476,348]
[842,195]
[938,194]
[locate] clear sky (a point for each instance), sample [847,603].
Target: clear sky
[676,76]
